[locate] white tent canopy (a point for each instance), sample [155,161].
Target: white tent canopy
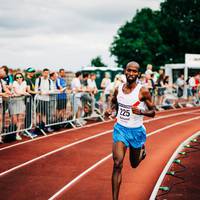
[185,67]
[192,61]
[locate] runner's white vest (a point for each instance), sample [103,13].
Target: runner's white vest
[125,116]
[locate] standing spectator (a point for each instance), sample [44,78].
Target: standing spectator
[53,77]
[8,77]
[190,86]
[53,98]
[142,80]
[195,88]
[77,90]
[151,85]
[160,89]
[93,90]
[17,105]
[106,81]
[4,93]
[30,81]
[149,69]
[180,85]
[43,87]
[61,85]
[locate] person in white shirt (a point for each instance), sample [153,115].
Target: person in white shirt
[17,102]
[77,90]
[190,84]
[149,69]
[180,82]
[43,88]
[93,90]
[106,81]
[54,98]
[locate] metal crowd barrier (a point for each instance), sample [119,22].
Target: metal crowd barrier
[23,113]
[63,109]
[16,115]
[53,109]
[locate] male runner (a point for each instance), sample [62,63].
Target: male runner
[131,101]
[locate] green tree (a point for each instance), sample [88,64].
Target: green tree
[97,62]
[139,40]
[159,37]
[179,26]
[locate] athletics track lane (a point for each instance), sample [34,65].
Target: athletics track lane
[54,172]
[38,147]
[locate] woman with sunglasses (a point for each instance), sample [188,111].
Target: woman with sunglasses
[17,104]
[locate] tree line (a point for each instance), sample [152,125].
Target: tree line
[159,37]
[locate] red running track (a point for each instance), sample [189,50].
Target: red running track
[43,177]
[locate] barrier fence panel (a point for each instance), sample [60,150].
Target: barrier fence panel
[53,109]
[17,116]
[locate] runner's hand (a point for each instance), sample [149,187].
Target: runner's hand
[136,110]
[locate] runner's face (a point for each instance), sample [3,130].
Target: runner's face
[131,73]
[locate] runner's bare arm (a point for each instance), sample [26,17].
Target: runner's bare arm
[145,97]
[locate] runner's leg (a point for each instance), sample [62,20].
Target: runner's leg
[119,151]
[136,155]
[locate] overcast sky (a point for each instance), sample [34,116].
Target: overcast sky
[62,33]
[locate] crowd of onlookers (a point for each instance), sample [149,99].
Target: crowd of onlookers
[165,92]
[56,100]
[48,93]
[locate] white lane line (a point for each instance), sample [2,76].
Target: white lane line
[90,125]
[169,163]
[171,125]
[80,176]
[54,151]
[64,147]
[110,155]
[172,115]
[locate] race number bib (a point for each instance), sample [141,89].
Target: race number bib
[124,112]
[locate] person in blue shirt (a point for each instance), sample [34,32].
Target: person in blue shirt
[61,85]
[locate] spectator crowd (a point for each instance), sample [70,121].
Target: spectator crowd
[56,101]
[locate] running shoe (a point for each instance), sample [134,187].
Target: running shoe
[49,130]
[30,135]
[1,140]
[18,137]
